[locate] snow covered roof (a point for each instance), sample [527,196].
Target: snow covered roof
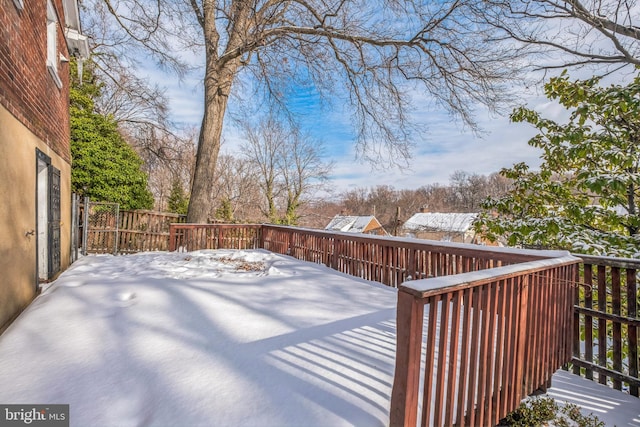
[435,221]
[350,223]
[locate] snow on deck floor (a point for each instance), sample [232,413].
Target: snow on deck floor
[215,338]
[201,339]
[612,407]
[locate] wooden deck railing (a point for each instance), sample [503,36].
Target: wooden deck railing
[499,321]
[141,230]
[606,311]
[106,229]
[492,338]
[388,260]
[192,237]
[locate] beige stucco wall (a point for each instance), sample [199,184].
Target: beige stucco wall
[18,213]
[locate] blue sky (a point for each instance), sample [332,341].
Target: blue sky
[444,147]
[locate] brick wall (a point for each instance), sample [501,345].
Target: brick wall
[27,89]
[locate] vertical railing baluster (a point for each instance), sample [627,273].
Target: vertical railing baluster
[464,357]
[588,320]
[452,368]
[492,351]
[485,352]
[500,349]
[616,326]
[521,337]
[632,331]
[473,361]
[602,323]
[429,367]
[443,375]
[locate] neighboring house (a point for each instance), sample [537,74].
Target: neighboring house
[449,227]
[356,224]
[36,41]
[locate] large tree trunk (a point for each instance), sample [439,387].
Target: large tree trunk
[217,88]
[219,74]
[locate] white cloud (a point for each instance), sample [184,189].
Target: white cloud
[444,151]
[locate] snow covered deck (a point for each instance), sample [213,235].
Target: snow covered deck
[221,338]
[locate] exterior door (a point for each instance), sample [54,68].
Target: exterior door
[53,219]
[47,217]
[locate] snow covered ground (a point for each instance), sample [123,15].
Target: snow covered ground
[218,338]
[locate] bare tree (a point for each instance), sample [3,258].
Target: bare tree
[356,202]
[142,113]
[131,100]
[498,185]
[139,107]
[289,166]
[302,170]
[263,147]
[596,32]
[369,55]
[381,201]
[467,191]
[167,159]
[319,212]
[435,198]
[411,201]
[238,185]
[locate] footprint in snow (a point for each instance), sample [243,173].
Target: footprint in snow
[125,299]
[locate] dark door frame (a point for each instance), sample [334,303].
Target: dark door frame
[52,228]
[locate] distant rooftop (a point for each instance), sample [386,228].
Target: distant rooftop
[446,222]
[351,223]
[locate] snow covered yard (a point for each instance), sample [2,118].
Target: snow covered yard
[246,338]
[221,338]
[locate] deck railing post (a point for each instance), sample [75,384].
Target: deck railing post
[404,395]
[172,237]
[337,247]
[523,336]
[260,233]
